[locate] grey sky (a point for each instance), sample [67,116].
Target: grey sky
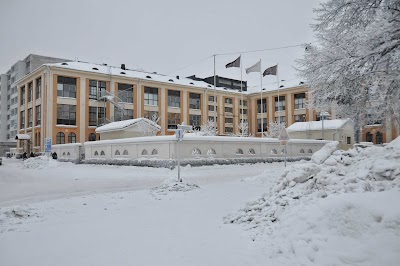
[159,36]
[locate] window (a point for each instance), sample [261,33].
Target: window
[264,106]
[301,151]
[102,153]
[211,152]
[30,114]
[125,152]
[300,101]
[125,92]
[174,98]
[38,88]
[195,121]
[154,152]
[72,137]
[348,140]
[173,120]
[194,101]
[60,138]
[264,125]
[228,120]
[117,152]
[273,151]
[30,92]
[228,129]
[211,118]
[244,103]
[22,122]
[196,152]
[101,115]
[239,151]
[151,115]
[379,138]
[280,104]
[211,98]
[92,137]
[228,110]
[280,119]
[150,96]
[144,152]
[96,153]
[244,111]
[211,108]
[97,89]
[368,137]
[22,102]
[66,87]
[92,116]
[309,150]
[66,114]
[300,118]
[122,114]
[228,100]
[251,151]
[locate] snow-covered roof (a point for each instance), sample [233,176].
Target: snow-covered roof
[317,125]
[116,71]
[126,124]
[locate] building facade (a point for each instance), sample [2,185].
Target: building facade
[68,101]
[9,92]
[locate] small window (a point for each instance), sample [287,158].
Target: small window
[211,152]
[273,151]
[310,151]
[251,151]
[348,140]
[117,152]
[154,152]
[239,151]
[196,151]
[125,152]
[301,151]
[102,153]
[96,153]
[63,153]
[68,154]
[92,137]
[144,152]
[283,151]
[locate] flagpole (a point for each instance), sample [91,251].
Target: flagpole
[241,92]
[277,76]
[261,104]
[215,101]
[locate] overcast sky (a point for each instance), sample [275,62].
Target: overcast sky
[160,36]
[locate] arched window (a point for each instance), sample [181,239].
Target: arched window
[154,152]
[251,151]
[368,137]
[239,151]
[309,150]
[68,154]
[72,137]
[125,152]
[283,151]
[92,137]
[63,153]
[102,153]
[96,153]
[117,152]
[273,151]
[379,138]
[301,151]
[144,152]
[196,151]
[60,138]
[211,152]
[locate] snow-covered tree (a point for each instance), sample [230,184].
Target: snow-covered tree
[242,129]
[274,129]
[355,63]
[207,129]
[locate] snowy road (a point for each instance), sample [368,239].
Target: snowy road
[19,185]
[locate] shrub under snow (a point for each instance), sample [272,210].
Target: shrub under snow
[40,162]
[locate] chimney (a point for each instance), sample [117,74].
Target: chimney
[123,66]
[177,77]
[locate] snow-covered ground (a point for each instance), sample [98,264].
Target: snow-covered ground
[334,210]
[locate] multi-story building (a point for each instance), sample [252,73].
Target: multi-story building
[9,92]
[67,101]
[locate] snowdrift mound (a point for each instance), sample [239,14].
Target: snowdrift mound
[373,168]
[40,162]
[172,186]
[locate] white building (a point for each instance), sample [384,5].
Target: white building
[341,130]
[9,92]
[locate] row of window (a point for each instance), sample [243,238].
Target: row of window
[60,137]
[38,111]
[125,152]
[38,93]
[280,103]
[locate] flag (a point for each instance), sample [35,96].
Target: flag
[255,68]
[271,71]
[235,63]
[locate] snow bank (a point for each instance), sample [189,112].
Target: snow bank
[40,162]
[171,185]
[311,187]
[321,155]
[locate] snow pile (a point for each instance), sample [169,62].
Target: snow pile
[171,186]
[40,162]
[11,217]
[313,198]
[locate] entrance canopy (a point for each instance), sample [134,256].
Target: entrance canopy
[22,136]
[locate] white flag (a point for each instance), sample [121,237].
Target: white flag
[255,68]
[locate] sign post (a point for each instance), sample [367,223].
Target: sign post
[284,139]
[179,137]
[47,146]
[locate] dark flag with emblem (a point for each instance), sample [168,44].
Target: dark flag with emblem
[235,63]
[271,71]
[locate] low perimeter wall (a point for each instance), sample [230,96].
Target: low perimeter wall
[163,151]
